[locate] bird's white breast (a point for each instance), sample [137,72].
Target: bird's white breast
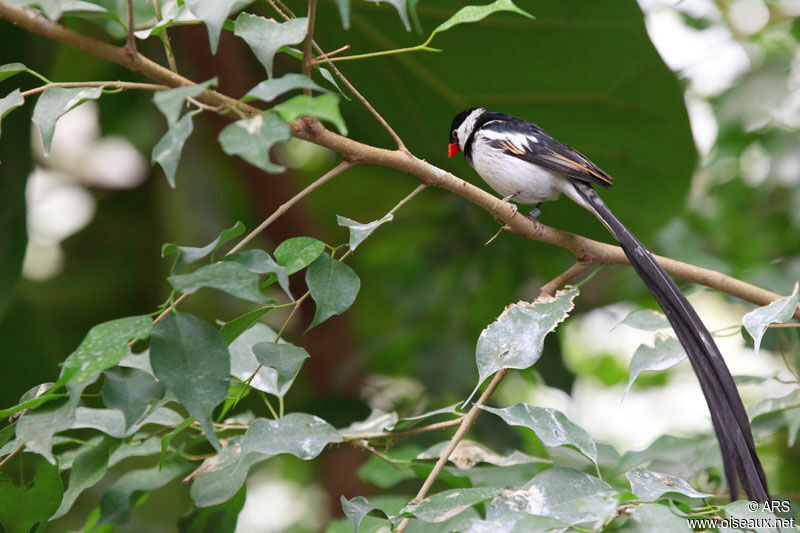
[508,175]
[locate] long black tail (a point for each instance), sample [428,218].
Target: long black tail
[728,414]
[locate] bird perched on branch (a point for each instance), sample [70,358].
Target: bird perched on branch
[525,165]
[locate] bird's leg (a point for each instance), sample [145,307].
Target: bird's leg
[535,212]
[513,206]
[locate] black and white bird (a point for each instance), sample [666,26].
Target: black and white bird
[524,164]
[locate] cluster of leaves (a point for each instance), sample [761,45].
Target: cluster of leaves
[168,389]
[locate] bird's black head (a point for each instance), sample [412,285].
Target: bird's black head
[459,119]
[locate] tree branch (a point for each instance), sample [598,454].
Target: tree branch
[307,50]
[130,44]
[109,84]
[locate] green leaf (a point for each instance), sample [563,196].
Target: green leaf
[448,503]
[385,475]
[167,439]
[171,102]
[344,12]
[265,36]
[358,231]
[53,103]
[11,69]
[243,360]
[130,391]
[35,429]
[226,276]
[188,254]
[468,453]
[333,286]
[762,520]
[103,347]
[324,107]
[89,468]
[475,13]
[772,405]
[567,495]
[376,421]
[302,435]
[649,486]
[655,518]
[646,320]
[285,360]
[121,497]
[190,358]
[215,519]
[298,252]
[400,6]
[516,338]
[411,421]
[214,15]
[11,101]
[233,329]
[550,425]
[30,492]
[268,90]
[357,508]
[167,151]
[259,262]
[778,312]
[665,353]
[251,139]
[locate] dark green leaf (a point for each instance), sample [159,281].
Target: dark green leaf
[243,360]
[550,425]
[449,503]
[167,151]
[646,319]
[167,439]
[778,312]
[89,468]
[11,69]
[333,286]
[214,15]
[226,276]
[298,252]
[324,107]
[215,519]
[344,12]
[358,231]
[386,475]
[171,102]
[357,508]
[516,338]
[103,347]
[268,90]
[231,330]
[190,358]
[130,390]
[11,101]
[665,353]
[259,262]
[30,492]
[251,139]
[265,36]
[655,518]
[54,102]
[119,500]
[567,495]
[188,254]
[284,359]
[649,486]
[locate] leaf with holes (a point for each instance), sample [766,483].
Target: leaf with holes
[358,231]
[333,286]
[778,312]
[268,90]
[551,426]
[190,358]
[265,36]
[251,139]
[226,276]
[167,151]
[56,101]
[214,15]
[324,107]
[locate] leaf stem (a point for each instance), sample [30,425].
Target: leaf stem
[122,85]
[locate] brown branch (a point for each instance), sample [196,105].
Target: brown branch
[130,44]
[307,50]
[329,54]
[466,423]
[413,431]
[309,129]
[550,288]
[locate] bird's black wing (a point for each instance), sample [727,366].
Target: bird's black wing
[541,149]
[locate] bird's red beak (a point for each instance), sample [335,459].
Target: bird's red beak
[452,149]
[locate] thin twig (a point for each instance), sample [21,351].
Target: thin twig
[165,39]
[575,270]
[413,431]
[307,58]
[8,457]
[778,326]
[104,84]
[466,423]
[130,44]
[329,54]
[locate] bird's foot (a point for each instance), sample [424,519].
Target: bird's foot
[534,214]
